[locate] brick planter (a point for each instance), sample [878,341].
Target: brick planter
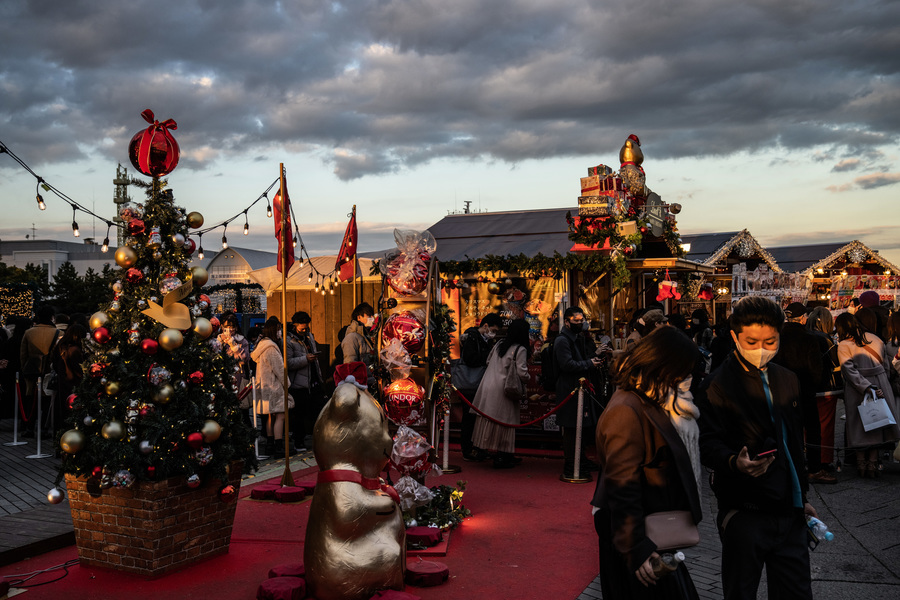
[151,528]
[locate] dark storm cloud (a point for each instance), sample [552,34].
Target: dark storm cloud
[377,86]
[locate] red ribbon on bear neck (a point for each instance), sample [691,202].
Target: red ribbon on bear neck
[370,483]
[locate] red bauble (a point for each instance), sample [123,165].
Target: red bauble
[196,377]
[404,401]
[135,227]
[204,298]
[153,151]
[190,245]
[133,275]
[228,494]
[71,400]
[408,276]
[149,347]
[215,324]
[404,326]
[96,471]
[195,440]
[101,334]
[96,369]
[151,471]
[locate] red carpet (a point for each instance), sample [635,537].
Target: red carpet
[530,537]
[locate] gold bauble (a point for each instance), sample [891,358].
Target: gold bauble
[211,431]
[170,339]
[125,257]
[114,430]
[72,441]
[202,327]
[112,388]
[98,319]
[164,394]
[199,276]
[195,220]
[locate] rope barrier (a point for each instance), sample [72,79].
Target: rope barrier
[528,424]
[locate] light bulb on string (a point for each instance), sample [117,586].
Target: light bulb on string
[200,244]
[105,246]
[246,224]
[268,205]
[316,289]
[40,199]
[75,223]
[295,241]
[225,239]
[309,279]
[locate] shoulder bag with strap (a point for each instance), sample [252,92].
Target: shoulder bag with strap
[513,387]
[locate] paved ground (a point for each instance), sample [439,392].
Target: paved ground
[862,562]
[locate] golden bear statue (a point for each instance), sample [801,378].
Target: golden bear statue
[355,538]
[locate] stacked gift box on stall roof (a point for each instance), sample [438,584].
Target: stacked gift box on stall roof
[602,193]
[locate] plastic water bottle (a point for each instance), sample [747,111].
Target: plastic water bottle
[667,563]
[819,529]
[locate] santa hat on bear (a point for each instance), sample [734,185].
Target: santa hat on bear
[354,373]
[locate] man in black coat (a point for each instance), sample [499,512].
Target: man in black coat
[574,360]
[800,353]
[752,438]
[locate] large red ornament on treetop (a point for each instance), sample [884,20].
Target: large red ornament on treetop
[404,402]
[153,151]
[406,327]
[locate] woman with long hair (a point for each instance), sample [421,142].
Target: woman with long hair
[508,359]
[270,378]
[821,324]
[648,450]
[864,366]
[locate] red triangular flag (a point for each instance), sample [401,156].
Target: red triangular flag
[346,263]
[285,243]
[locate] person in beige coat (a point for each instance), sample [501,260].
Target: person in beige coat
[270,380]
[509,358]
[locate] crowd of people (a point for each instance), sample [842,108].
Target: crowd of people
[750,403]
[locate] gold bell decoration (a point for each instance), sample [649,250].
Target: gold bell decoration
[98,319]
[195,220]
[72,441]
[211,431]
[170,339]
[199,276]
[125,257]
[114,430]
[202,327]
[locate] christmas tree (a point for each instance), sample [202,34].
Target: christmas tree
[159,397]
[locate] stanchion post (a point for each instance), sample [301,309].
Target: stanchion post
[16,405]
[577,477]
[38,423]
[447,467]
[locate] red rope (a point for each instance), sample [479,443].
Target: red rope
[493,420]
[21,404]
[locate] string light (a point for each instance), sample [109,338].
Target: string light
[224,239]
[40,199]
[105,246]
[75,223]
[316,289]
[309,279]
[295,241]
[268,205]
[246,224]
[200,244]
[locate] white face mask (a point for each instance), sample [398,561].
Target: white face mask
[758,357]
[370,321]
[490,335]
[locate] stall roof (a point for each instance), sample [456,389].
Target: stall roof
[711,248]
[794,259]
[298,277]
[476,235]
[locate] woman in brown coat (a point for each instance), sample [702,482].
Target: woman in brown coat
[646,438]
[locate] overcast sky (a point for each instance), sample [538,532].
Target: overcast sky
[780,116]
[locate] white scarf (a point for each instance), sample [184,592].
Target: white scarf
[683,413]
